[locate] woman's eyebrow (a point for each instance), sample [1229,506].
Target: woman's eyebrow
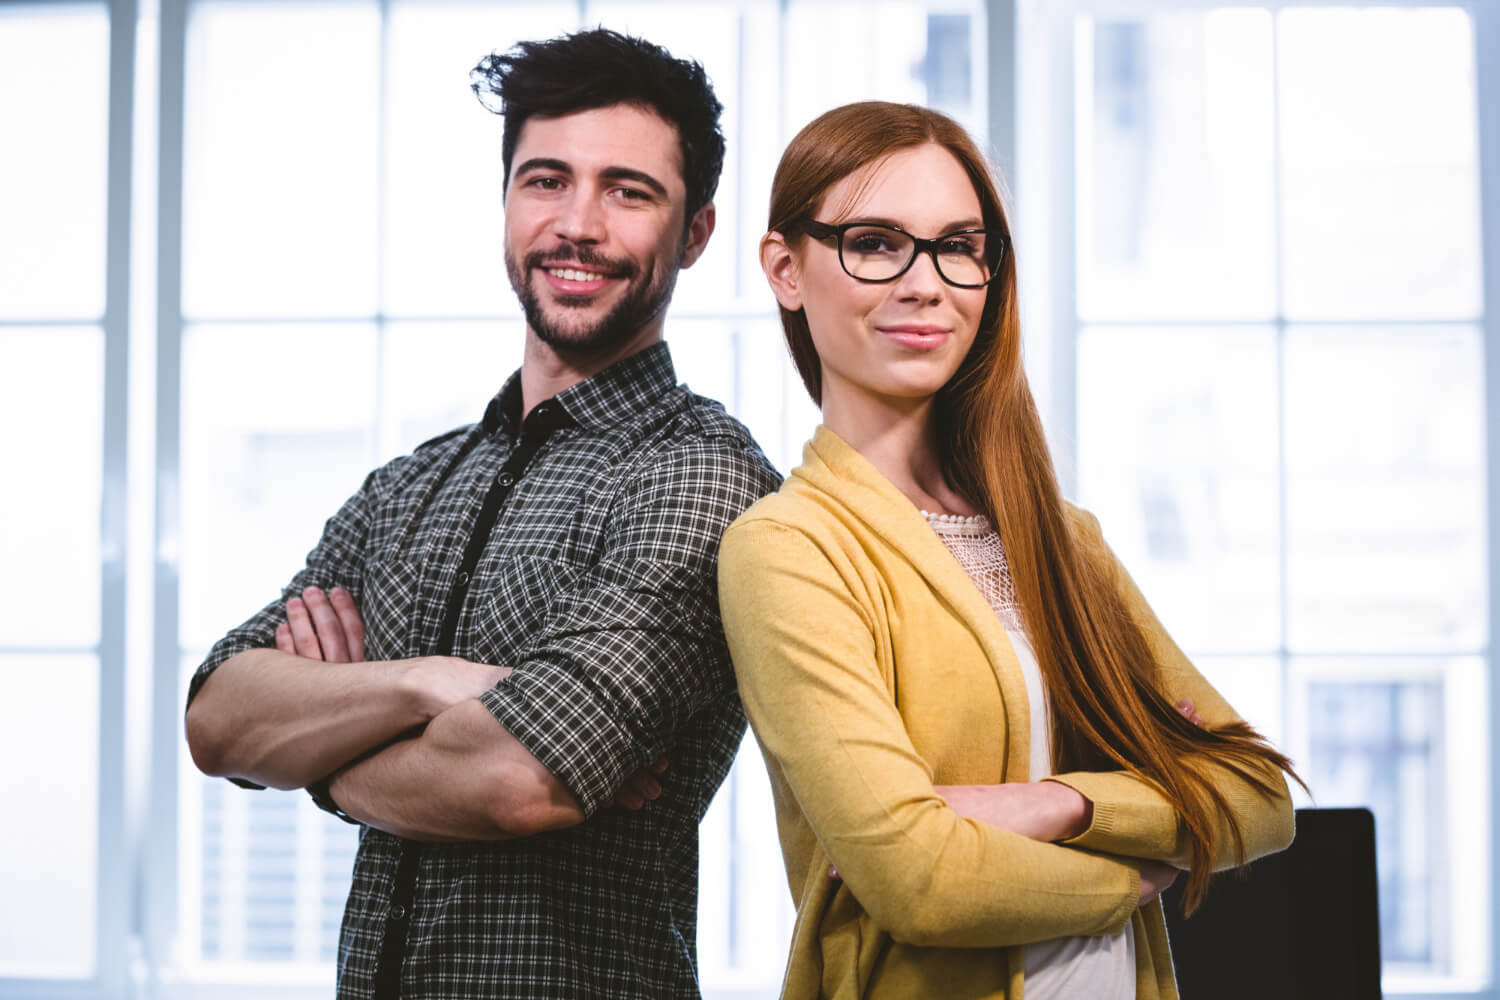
[880,220]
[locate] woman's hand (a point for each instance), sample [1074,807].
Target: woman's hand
[1041,810]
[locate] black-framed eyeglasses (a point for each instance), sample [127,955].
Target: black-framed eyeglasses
[875,252]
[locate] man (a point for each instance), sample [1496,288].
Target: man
[521,615]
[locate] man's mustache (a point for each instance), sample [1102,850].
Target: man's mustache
[585,258]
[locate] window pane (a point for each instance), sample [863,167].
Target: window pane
[705,352]
[1385,489]
[1177,457]
[52,180]
[438,376]
[1380,172]
[444,177]
[51,402]
[769,395]
[49,848]
[1378,742]
[1175,169]
[280,209]
[842,51]
[277,431]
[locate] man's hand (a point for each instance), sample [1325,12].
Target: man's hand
[1156,878]
[640,788]
[329,627]
[323,627]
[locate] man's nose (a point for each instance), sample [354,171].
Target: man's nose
[581,219]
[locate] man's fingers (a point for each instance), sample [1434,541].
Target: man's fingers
[284,639]
[304,637]
[326,622]
[348,616]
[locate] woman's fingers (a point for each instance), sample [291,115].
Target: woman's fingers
[1190,712]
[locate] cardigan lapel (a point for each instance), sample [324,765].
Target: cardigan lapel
[835,468]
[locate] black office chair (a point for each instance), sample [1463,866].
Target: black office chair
[1302,925]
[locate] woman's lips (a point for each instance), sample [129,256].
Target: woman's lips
[917,336]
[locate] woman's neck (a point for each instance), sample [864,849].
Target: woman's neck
[901,442]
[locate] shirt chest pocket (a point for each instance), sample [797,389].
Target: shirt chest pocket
[513,612]
[390,594]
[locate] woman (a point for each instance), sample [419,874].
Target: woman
[911,680]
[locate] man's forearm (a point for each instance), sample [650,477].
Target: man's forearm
[286,721]
[464,778]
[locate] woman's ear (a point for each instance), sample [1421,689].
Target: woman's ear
[782,272]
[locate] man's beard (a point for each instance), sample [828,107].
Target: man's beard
[641,304]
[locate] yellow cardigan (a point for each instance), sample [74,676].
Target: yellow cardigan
[873,669]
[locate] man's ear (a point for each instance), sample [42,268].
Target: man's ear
[699,230]
[782,272]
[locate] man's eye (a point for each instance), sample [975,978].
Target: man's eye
[546,183]
[633,194]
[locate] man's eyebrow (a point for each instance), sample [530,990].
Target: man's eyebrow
[639,176]
[543,163]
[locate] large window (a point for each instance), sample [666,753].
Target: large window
[1277,350]
[1258,315]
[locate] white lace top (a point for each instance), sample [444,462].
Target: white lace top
[1099,968]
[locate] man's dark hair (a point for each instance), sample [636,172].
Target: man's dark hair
[599,68]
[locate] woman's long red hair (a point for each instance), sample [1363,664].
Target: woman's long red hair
[1096,663]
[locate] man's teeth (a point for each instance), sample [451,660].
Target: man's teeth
[572,274]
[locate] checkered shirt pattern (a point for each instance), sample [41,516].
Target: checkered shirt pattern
[598,585]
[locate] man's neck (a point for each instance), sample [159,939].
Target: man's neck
[546,371]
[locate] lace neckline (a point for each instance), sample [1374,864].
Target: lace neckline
[969,525]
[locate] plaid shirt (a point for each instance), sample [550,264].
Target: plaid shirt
[579,548]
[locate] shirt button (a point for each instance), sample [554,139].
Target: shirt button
[506,479]
[398,912]
[463,579]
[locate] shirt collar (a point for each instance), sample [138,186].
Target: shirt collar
[605,400]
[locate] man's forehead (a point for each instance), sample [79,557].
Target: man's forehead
[617,135]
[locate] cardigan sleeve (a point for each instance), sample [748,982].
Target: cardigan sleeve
[806,656]
[1131,816]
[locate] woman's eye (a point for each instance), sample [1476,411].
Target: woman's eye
[869,243]
[959,247]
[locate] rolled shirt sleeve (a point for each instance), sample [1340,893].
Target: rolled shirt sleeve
[633,648]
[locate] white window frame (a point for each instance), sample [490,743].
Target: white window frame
[115,835]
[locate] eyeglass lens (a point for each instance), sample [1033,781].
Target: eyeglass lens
[876,253]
